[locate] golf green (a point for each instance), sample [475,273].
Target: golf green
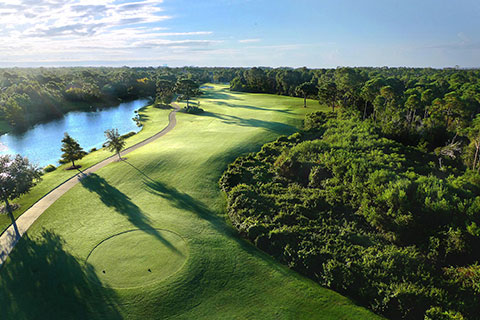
[138,257]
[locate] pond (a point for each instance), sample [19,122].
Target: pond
[41,144]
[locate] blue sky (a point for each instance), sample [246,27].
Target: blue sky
[312,33]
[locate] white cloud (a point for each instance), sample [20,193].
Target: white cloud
[249,40]
[41,30]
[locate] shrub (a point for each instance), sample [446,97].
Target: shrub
[363,215]
[49,168]
[192,110]
[128,135]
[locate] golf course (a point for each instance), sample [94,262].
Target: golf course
[147,237]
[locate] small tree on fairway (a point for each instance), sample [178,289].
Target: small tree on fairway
[17,177]
[71,150]
[164,92]
[115,142]
[304,90]
[187,88]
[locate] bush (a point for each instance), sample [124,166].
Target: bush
[49,168]
[192,110]
[128,135]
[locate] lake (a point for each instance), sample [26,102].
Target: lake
[41,144]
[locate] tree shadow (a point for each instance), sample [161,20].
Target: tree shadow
[277,127]
[253,107]
[43,281]
[184,201]
[180,200]
[121,203]
[222,94]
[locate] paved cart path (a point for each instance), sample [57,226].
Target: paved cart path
[8,239]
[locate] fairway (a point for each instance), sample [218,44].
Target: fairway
[146,238]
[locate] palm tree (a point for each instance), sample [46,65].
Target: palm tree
[115,142]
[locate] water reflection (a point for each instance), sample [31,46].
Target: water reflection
[42,143]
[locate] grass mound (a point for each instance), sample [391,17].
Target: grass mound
[138,257]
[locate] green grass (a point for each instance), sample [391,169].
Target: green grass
[154,120]
[170,184]
[146,257]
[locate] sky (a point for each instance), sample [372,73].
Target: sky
[240,33]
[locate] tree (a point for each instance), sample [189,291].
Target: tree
[304,90]
[327,93]
[369,92]
[115,142]
[473,133]
[349,83]
[164,92]
[71,150]
[17,177]
[412,104]
[186,87]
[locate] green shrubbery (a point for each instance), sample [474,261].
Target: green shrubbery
[364,215]
[49,168]
[193,110]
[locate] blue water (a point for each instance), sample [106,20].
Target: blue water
[42,143]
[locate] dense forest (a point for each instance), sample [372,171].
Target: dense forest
[29,96]
[365,215]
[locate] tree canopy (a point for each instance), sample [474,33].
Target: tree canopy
[115,142]
[364,215]
[17,177]
[72,150]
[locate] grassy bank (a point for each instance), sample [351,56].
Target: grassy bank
[167,187]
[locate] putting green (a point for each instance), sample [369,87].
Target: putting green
[137,258]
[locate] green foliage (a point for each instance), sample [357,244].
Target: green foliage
[17,176]
[425,107]
[436,313]
[49,168]
[364,215]
[115,142]
[71,149]
[193,110]
[186,88]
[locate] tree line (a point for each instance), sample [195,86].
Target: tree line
[434,109]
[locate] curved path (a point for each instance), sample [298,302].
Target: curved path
[8,239]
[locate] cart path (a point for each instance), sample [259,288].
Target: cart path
[8,239]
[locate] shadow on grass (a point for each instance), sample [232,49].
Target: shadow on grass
[273,126]
[184,201]
[221,103]
[181,200]
[121,203]
[43,281]
[223,95]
